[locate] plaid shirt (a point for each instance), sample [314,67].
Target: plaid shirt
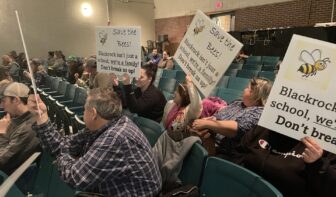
[116,160]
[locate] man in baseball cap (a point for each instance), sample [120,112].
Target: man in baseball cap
[17,139]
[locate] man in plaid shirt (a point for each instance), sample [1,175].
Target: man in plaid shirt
[111,156]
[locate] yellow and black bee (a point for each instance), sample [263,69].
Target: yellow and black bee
[102,37]
[313,62]
[199,26]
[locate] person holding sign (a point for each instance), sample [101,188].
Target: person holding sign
[232,122]
[296,168]
[111,156]
[146,100]
[174,144]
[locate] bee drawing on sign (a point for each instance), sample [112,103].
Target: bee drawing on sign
[102,37]
[199,26]
[313,62]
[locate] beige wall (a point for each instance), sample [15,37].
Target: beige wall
[173,8]
[137,13]
[59,24]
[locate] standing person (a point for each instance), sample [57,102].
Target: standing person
[146,100]
[166,62]
[17,138]
[111,156]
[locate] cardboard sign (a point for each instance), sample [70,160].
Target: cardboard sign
[303,100]
[205,52]
[118,50]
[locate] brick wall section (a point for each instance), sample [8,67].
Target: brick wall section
[174,27]
[293,13]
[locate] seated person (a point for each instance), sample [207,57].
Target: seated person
[146,100]
[154,58]
[96,79]
[111,156]
[295,168]
[166,62]
[174,144]
[17,139]
[74,67]
[39,72]
[232,122]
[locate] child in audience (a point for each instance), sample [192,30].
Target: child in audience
[174,144]
[232,122]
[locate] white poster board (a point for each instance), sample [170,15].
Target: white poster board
[205,52]
[303,100]
[118,50]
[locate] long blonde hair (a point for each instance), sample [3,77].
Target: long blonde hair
[260,89]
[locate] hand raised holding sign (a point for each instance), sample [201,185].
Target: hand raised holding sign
[312,151]
[114,79]
[126,79]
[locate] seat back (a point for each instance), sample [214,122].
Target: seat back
[267,74]
[80,96]
[223,82]
[231,72]
[252,67]
[70,92]
[229,95]
[253,60]
[235,66]
[249,74]
[62,87]
[270,60]
[54,84]
[224,178]
[150,128]
[167,84]
[238,83]
[268,68]
[193,165]
[180,76]
[169,73]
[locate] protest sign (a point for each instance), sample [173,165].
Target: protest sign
[118,50]
[302,101]
[205,52]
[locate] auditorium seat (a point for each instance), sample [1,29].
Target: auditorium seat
[229,95]
[224,178]
[151,129]
[267,74]
[253,60]
[252,67]
[193,165]
[270,60]
[238,83]
[249,74]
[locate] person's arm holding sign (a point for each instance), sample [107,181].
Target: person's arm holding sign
[320,168]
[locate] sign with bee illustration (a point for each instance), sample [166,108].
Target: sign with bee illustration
[199,26]
[312,62]
[102,37]
[118,50]
[205,52]
[302,101]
